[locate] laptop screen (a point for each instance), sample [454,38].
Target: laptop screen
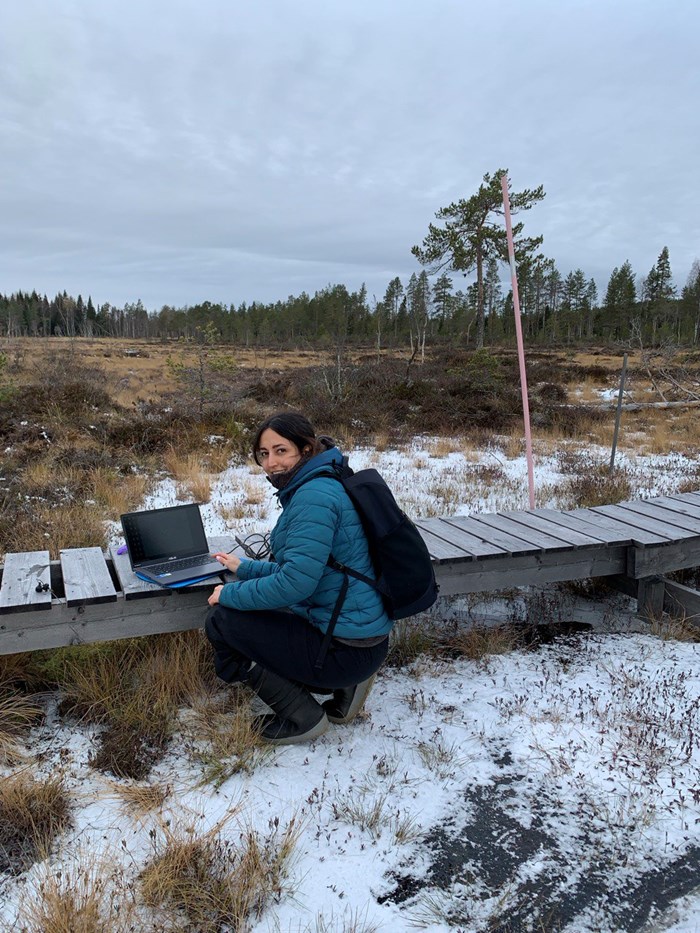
[162,534]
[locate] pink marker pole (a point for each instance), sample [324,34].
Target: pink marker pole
[519,338]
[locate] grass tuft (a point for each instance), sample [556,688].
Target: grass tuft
[134,688]
[223,737]
[17,715]
[479,641]
[33,813]
[410,638]
[140,800]
[669,629]
[85,899]
[206,883]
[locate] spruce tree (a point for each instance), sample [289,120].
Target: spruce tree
[659,292]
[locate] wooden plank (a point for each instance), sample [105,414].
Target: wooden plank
[532,536]
[470,543]
[22,573]
[134,588]
[594,530]
[170,611]
[678,504]
[440,549]
[508,543]
[571,537]
[676,555]
[675,521]
[682,601]
[641,521]
[638,536]
[692,497]
[86,578]
[492,574]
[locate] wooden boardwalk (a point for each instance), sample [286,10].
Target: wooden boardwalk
[88,596]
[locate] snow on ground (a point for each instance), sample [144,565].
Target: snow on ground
[561,784]
[553,789]
[426,483]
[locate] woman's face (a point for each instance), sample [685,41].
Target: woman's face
[276,454]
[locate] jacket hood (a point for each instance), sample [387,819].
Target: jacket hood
[319,465]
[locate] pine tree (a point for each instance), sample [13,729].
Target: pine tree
[493,297]
[473,232]
[419,308]
[391,303]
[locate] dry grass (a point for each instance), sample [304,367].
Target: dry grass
[410,638]
[203,884]
[218,457]
[141,800]
[134,687]
[33,813]
[135,679]
[233,512]
[513,445]
[116,493]
[223,738]
[88,898]
[40,526]
[363,808]
[682,629]
[189,474]
[444,446]
[17,715]
[381,440]
[477,642]
[255,492]
[352,921]
[39,476]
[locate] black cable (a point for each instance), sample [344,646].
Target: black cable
[255,546]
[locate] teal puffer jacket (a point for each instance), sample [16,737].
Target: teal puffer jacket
[318,519]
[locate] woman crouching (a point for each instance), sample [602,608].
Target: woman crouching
[267,628]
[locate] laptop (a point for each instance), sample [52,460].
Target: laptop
[168,546]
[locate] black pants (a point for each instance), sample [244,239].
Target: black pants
[288,645]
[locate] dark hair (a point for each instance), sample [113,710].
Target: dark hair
[294,427]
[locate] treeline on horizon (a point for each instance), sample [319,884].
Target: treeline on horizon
[554,309]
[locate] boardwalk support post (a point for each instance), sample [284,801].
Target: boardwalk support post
[650,597]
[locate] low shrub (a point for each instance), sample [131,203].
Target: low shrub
[598,486]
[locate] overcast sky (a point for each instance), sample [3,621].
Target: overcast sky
[214,149]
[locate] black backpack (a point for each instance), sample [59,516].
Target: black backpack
[405,575]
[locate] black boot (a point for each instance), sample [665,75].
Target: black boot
[348,701]
[297,716]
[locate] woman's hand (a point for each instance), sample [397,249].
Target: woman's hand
[229,561]
[214,598]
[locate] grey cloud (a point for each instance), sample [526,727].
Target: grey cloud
[227,151]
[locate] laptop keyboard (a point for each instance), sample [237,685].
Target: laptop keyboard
[184,564]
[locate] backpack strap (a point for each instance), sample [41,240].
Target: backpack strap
[337,471]
[343,568]
[331,625]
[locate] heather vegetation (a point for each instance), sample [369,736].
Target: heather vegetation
[88,426]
